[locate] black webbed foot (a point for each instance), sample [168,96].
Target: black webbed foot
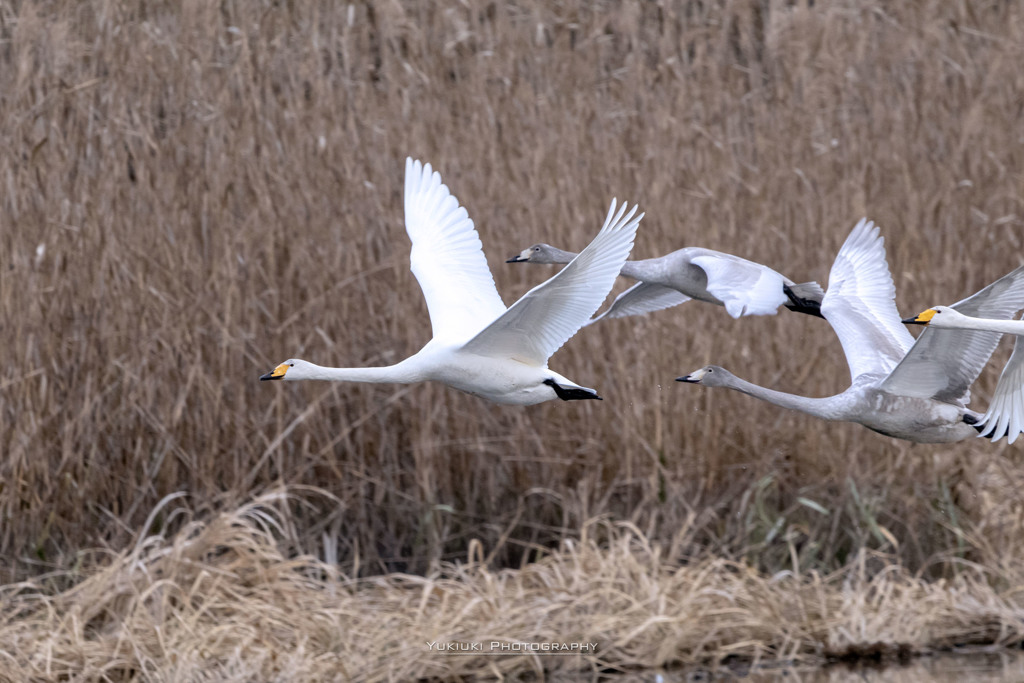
[571,393]
[973,421]
[802,305]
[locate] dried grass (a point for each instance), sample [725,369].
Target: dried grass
[192,192]
[220,601]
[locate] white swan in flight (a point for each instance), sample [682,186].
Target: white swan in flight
[1005,415]
[479,346]
[743,287]
[910,390]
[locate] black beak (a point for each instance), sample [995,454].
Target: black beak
[270,375]
[912,321]
[516,259]
[688,379]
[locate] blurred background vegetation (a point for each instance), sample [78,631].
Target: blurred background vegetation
[192,192]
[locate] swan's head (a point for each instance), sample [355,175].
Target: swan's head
[937,316]
[292,368]
[709,375]
[539,253]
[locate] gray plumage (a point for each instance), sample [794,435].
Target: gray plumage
[910,390]
[743,287]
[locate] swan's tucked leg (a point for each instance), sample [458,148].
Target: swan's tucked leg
[801,304]
[978,425]
[571,393]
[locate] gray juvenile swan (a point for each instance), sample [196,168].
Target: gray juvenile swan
[479,346]
[1005,414]
[910,390]
[742,286]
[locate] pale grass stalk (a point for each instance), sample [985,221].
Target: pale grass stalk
[221,598]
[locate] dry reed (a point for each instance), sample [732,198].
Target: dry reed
[220,600]
[192,192]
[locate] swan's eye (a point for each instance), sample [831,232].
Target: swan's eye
[291,365]
[536,248]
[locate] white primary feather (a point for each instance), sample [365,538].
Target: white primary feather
[859,304]
[447,257]
[1005,415]
[537,325]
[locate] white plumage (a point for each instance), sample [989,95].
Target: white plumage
[478,345]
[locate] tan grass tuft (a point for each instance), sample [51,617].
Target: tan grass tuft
[221,600]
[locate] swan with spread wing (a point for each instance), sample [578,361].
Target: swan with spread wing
[479,346]
[907,389]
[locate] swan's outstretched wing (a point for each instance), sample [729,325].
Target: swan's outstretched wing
[745,287]
[1005,415]
[643,297]
[860,306]
[447,257]
[546,317]
[944,363]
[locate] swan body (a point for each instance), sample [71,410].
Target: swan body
[743,287]
[864,402]
[478,345]
[906,389]
[1005,415]
[509,383]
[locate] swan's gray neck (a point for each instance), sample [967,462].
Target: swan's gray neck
[560,255]
[635,270]
[824,408]
[631,269]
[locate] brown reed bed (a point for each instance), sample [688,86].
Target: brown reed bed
[220,600]
[190,193]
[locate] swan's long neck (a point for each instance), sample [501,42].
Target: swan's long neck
[631,269]
[965,322]
[635,270]
[824,408]
[400,373]
[561,256]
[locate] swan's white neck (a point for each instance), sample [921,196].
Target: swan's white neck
[966,322]
[401,373]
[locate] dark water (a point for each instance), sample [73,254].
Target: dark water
[1001,667]
[947,668]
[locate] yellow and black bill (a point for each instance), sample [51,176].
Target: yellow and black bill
[922,318]
[276,373]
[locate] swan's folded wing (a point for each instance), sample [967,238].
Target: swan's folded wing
[447,257]
[1005,415]
[860,306]
[944,363]
[537,325]
[641,298]
[745,287]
